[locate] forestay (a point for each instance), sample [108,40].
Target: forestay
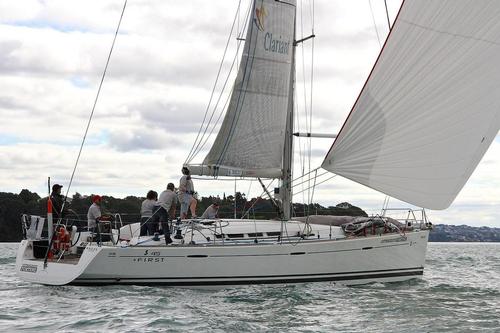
[251,138]
[430,108]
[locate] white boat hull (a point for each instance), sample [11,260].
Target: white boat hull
[359,260]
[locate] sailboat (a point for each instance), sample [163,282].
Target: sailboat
[422,122]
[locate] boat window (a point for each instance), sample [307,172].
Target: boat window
[235,235]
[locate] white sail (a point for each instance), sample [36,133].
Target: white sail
[431,105]
[251,138]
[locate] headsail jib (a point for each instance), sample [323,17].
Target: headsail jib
[430,108]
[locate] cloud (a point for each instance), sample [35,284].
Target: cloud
[174,117]
[142,139]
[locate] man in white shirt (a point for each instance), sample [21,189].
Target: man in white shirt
[167,206]
[94,217]
[168,200]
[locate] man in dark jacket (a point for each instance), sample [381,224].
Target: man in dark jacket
[57,201]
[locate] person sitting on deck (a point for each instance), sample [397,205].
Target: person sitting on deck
[211,211]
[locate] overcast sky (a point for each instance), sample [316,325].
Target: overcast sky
[166,57]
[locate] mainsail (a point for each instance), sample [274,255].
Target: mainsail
[251,139]
[431,105]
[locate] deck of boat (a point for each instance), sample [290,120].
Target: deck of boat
[71,259]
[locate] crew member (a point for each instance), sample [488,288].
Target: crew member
[186,191]
[57,201]
[148,226]
[211,211]
[94,214]
[166,209]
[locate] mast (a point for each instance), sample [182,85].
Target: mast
[286,179]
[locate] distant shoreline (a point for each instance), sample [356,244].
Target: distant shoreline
[463,234]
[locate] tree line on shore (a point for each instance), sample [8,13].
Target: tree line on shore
[12,206]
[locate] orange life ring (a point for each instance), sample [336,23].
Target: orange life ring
[61,240]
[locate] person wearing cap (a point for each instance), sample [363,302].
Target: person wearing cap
[94,213]
[211,211]
[186,191]
[57,201]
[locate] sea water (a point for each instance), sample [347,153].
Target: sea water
[459,292]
